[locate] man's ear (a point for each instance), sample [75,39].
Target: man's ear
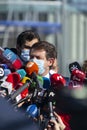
[51,62]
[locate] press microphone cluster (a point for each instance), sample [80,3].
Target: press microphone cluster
[26,89]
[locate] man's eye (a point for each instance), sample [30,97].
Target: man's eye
[31,57]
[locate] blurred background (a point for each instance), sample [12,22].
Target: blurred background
[60,22]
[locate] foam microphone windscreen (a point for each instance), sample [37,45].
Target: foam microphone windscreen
[4,66]
[78,75]
[21,72]
[46,82]
[7,71]
[57,81]
[17,64]
[31,67]
[32,110]
[14,78]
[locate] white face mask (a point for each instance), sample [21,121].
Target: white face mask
[25,55]
[40,64]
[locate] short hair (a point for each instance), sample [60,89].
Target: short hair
[47,47]
[27,35]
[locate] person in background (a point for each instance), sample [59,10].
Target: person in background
[84,67]
[44,54]
[24,42]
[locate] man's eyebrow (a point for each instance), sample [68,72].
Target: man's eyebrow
[28,47]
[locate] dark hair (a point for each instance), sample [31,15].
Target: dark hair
[27,35]
[48,47]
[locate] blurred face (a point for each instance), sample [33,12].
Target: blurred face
[24,51]
[30,43]
[27,45]
[41,55]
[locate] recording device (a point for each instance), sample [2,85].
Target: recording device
[7,87]
[19,90]
[10,58]
[57,81]
[32,111]
[2,73]
[15,77]
[79,77]
[74,65]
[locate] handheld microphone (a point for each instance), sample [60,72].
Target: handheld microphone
[78,75]
[4,66]
[7,72]
[46,83]
[2,73]
[11,59]
[31,67]
[32,70]
[7,86]
[15,77]
[74,65]
[19,90]
[32,111]
[57,81]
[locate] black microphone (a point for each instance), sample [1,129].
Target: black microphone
[74,65]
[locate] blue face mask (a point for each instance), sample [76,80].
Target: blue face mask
[40,64]
[25,55]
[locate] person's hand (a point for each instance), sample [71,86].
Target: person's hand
[57,124]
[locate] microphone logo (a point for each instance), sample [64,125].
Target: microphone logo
[1,72]
[51,94]
[9,55]
[74,67]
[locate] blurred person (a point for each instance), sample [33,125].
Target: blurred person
[84,67]
[44,54]
[24,42]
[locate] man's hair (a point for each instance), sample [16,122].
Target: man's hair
[47,47]
[27,35]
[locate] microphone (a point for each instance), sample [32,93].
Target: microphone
[7,72]
[57,81]
[31,67]
[79,76]
[15,77]
[11,59]
[32,70]
[6,69]
[46,83]
[32,111]
[21,89]
[7,86]
[4,66]
[2,73]
[74,65]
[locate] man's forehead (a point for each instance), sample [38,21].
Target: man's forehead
[30,43]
